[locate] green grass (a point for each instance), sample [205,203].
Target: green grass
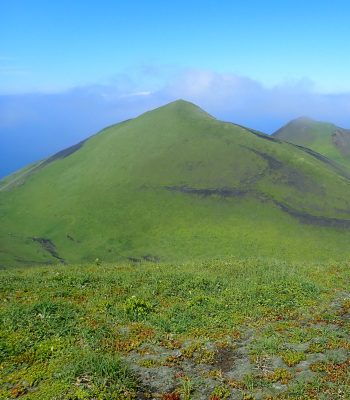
[18,177]
[219,328]
[318,137]
[109,198]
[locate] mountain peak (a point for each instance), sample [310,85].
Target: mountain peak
[303,119]
[323,137]
[298,123]
[182,108]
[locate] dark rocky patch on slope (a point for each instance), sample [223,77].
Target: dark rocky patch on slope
[50,247]
[224,359]
[309,219]
[302,216]
[147,257]
[273,163]
[208,192]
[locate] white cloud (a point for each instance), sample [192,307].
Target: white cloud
[233,97]
[135,94]
[225,95]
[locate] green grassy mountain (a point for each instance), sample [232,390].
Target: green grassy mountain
[323,137]
[175,183]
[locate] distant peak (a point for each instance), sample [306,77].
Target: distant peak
[296,123]
[182,103]
[304,119]
[184,107]
[178,104]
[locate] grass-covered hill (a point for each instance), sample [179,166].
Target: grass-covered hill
[175,183]
[323,137]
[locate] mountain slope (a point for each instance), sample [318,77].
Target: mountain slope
[322,137]
[176,183]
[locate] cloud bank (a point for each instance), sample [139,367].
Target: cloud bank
[36,125]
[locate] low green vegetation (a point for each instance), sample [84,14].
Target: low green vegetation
[175,184]
[225,328]
[155,198]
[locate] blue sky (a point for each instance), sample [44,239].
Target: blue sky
[69,68]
